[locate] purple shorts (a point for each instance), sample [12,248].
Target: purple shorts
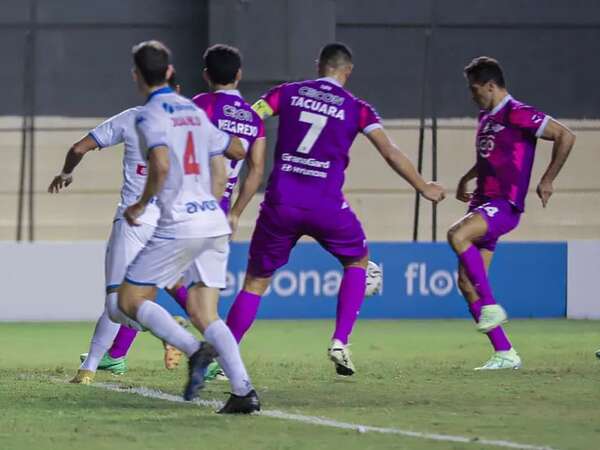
[279,227]
[501,217]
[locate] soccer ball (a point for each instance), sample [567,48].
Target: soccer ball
[374,279]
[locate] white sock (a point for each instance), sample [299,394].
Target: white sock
[219,335]
[103,337]
[116,315]
[162,325]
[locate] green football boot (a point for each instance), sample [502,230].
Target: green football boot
[117,366]
[214,372]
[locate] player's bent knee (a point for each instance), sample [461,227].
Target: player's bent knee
[362,262]
[256,285]
[455,237]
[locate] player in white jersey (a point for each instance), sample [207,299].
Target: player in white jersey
[186,172]
[125,242]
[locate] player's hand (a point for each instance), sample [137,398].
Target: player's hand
[544,191]
[60,182]
[234,220]
[461,192]
[133,212]
[434,192]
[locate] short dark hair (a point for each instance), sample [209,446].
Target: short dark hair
[222,63]
[152,59]
[335,54]
[483,69]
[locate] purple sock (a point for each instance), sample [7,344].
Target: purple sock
[497,336]
[122,342]
[473,263]
[181,296]
[350,298]
[242,313]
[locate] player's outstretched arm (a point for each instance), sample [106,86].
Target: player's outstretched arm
[564,139]
[398,161]
[256,169]
[235,151]
[73,158]
[462,192]
[218,176]
[158,168]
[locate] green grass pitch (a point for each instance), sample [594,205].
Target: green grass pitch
[412,375]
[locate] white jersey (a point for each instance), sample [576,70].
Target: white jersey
[188,208]
[121,129]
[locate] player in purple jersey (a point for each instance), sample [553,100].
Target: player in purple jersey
[318,121]
[506,138]
[228,111]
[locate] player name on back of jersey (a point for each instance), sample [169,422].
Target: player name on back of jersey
[319,101]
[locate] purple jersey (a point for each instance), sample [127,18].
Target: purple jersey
[228,111]
[318,121]
[506,139]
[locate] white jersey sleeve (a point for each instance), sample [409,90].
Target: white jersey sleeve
[112,131]
[152,130]
[218,140]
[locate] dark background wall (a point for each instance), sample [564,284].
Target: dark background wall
[79,60]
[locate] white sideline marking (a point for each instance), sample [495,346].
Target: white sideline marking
[314,420]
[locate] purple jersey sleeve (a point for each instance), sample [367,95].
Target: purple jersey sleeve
[368,119]
[273,98]
[528,119]
[205,102]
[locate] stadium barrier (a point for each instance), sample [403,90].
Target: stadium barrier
[65,281]
[584,272]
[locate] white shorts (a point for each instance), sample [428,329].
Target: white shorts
[162,261]
[123,245]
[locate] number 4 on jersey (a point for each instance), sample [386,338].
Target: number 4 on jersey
[190,165]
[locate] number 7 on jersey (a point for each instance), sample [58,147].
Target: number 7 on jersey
[317,123]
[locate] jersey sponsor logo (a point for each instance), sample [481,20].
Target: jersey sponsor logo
[237,113]
[303,171]
[206,205]
[312,162]
[326,97]
[485,145]
[168,108]
[491,127]
[174,108]
[319,107]
[141,170]
[186,121]
[536,118]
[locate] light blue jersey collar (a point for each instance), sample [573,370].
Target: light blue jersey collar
[164,90]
